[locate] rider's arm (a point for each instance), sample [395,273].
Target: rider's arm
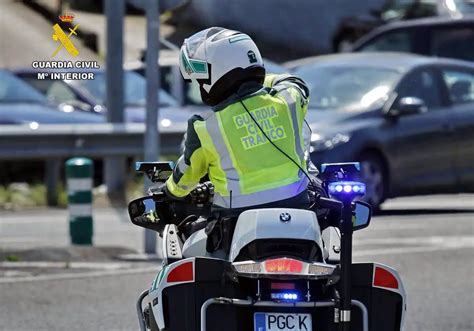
[191,166]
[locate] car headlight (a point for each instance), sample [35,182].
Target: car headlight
[321,143]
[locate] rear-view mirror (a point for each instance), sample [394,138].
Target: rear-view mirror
[143,213]
[155,171]
[362,215]
[408,106]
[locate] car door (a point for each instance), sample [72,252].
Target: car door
[460,86]
[423,156]
[453,41]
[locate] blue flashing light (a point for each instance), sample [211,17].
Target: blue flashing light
[346,188]
[289,296]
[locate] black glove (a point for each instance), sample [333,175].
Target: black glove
[203,193]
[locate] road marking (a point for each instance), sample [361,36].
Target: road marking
[402,250]
[380,226]
[432,244]
[23,239]
[92,274]
[457,241]
[68,265]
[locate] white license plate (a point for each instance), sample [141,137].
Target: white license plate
[282,322]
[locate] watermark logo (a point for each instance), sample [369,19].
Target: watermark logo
[64,39]
[65,70]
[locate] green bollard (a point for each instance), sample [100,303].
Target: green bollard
[79,188]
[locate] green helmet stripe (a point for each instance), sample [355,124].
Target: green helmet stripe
[187,66]
[199,66]
[238,38]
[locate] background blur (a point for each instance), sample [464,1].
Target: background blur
[392,86]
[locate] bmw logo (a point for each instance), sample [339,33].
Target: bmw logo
[285,217]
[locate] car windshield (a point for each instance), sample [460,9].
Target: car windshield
[135,90]
[347,88]
[464,6]
[424,8]
[13,89]
[396,9]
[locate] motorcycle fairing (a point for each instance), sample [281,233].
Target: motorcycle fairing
[274,223]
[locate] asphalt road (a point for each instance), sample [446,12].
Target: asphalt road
[429,240]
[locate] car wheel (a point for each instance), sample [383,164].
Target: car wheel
[374,176]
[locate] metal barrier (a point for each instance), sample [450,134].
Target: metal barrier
[18,142]
[52,143]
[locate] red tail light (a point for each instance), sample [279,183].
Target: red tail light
[284,265]
[182,273]
[282,286]
[384,278]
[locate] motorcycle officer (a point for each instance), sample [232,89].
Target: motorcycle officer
[252,145]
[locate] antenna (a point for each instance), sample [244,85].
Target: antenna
[230,199]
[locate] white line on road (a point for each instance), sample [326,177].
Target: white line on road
[76,275]
[402,250]
[432,244]
[456,241]
[68,265]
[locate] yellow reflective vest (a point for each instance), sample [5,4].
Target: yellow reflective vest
[231,148]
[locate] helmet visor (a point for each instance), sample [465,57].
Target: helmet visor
[194,42]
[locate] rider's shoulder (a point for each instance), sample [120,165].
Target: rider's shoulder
[281,82]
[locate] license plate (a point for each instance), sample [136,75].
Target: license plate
[282,322]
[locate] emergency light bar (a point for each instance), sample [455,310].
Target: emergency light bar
[283,268]
[346,188]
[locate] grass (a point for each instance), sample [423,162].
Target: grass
[12,258]
[16,196]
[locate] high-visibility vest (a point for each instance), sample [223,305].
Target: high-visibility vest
[229,146]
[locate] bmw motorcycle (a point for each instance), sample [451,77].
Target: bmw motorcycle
[267,269]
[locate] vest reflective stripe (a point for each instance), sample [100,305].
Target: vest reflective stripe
[181,164]
[233,180]
[294,118]
[267,196]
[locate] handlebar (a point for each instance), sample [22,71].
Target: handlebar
[198,202]
[327,203]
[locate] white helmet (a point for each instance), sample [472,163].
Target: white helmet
[220,60]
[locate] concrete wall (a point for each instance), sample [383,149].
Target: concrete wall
[306,25]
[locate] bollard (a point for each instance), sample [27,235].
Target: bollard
[79,188]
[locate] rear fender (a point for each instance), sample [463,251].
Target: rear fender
[380,288]
[180,272]
[206,273]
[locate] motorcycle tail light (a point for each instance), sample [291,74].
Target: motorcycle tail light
[282,286]
[284,265]
[283,268]
[249,267]
[181,273]
[384,278]
[320,269]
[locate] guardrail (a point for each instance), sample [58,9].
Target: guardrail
[93,140]
[59,141]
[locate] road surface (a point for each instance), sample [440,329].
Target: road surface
[429,240]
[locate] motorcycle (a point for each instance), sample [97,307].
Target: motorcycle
[267,269]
